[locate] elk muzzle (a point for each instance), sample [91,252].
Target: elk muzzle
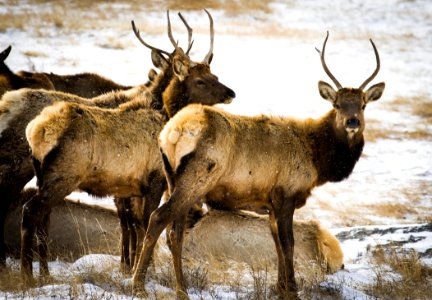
[352,125]
[230,95]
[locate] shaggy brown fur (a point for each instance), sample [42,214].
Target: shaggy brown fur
[107,151]
[259,162]
[246,238]
[87,85]
[18,108]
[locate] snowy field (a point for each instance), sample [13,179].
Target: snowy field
[268,57]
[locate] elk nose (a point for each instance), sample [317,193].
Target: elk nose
[353,123]
[231,93]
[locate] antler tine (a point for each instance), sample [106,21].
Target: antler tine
[190,31]
[170,32]
[138,35]
[210,53]
[338,85]
[376,70]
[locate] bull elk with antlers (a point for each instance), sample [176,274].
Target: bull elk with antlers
[110,151]
[261,161]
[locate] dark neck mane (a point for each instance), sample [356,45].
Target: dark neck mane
[157,89]
[175,97]
[334,156]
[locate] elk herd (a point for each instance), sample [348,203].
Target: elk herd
[165,139]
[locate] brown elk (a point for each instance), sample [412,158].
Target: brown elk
[18,108]
[211,238]
[87,85]
[261,161]
[15,112]
[109,151]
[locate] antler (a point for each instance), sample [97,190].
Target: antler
[209,55]
[138,35]
[189,29]
[338,85]
[175,44]
[376,70]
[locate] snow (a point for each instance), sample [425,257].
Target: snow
[270,61]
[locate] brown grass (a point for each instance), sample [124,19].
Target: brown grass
[390,210]
[414,280]
[420,106]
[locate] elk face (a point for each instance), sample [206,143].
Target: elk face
[197,83]
[350,103]
[201,85]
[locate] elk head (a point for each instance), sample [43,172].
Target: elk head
[350,103]
[193,80]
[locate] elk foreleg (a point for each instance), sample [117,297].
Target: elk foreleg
[284,208]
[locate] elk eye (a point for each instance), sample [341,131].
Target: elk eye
[364,106]
[337,106]
[200,82]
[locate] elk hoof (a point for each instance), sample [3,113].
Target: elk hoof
[181,295]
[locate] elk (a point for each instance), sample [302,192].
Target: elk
[210,238]
[18,108]
[87,85]
[110,151]
[261,161]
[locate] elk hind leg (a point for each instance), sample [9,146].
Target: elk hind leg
[176,237]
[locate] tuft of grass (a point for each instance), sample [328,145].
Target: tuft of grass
[400,274]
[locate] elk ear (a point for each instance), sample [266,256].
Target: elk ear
[181,69]
[326,91]
[5,53]
[375,92]
[159,61]
[152,75]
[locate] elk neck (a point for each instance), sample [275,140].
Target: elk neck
[335,154]
[175,97]
[158,87]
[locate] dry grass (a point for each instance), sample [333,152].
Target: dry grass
[420,106]
[413,280]
[390,210]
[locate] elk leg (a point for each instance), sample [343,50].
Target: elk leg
[53,189]
[281,264]
[42,234]
[152,199]
[159,219]
[28,227]
[4,208]
[12,180]
[176,236]
[121,206]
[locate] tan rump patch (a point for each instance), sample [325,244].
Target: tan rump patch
[43,132]
[180,135]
